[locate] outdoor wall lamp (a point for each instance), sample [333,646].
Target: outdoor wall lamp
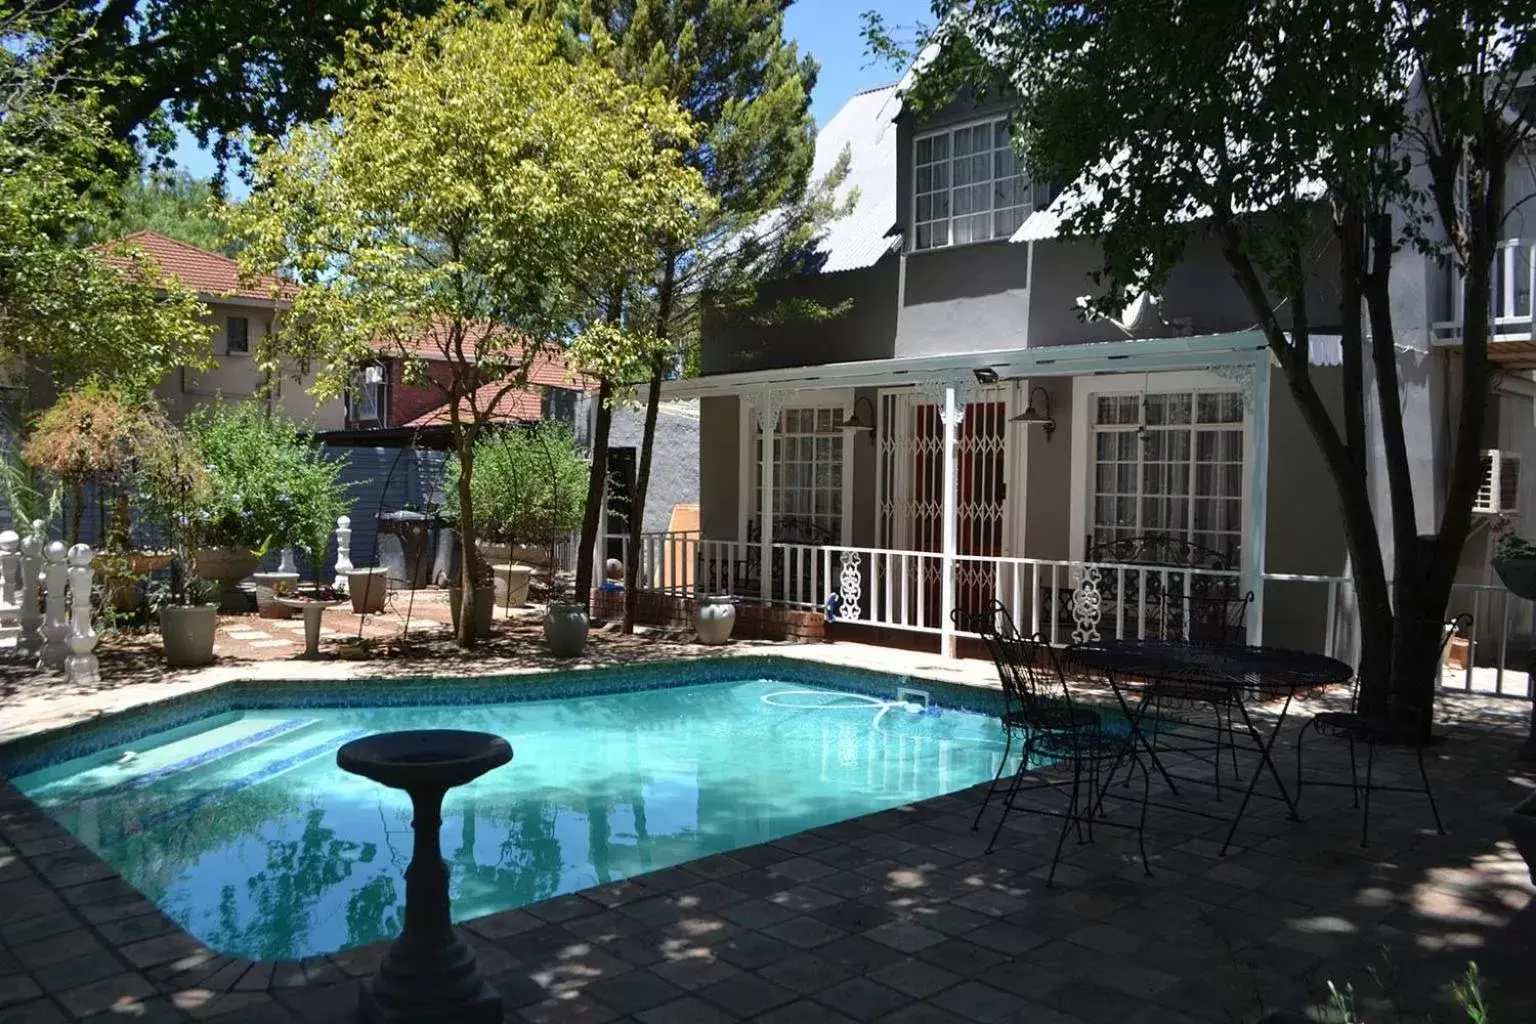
[854,421]
[985,375]
[1037,414]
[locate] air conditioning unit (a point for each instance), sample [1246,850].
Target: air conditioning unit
[1499,493]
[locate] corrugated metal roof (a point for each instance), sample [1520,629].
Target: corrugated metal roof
[866,128]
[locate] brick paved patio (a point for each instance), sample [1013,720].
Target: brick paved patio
[900,917]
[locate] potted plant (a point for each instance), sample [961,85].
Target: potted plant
[1514,559]
[174,484]
[269,486]
[714,619]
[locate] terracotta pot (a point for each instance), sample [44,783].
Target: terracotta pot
[565,629]
[714,619]
[512,584]
[1521,823]
[227,567]
[368,588]
[121,571]
[186,633]
[485,606]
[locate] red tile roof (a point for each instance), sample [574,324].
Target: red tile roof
[549,366]
[207,273]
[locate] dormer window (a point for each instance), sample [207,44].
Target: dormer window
[968,186]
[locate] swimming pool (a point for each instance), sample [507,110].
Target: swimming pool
[243,830]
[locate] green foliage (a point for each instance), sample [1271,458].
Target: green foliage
[174,204]
[102,314]
[528,484]
[268,486]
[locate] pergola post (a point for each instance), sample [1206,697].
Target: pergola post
[1258,489]
[951,414]
[768,425]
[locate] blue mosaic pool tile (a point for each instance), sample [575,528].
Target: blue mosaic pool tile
[85,738]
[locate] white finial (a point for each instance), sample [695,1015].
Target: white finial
[10,569]
[343,551]
[81,666]
[30,614]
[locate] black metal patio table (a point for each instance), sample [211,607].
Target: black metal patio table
[1240,674]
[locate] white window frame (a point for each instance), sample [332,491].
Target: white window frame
[1027,206]
[840,399]
[1086,390]
[229,347]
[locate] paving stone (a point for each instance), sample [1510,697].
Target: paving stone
[121,993]
[318,1005]
[79,970]
[136,929]
[927,1013]
[572,1009]
[687,1010]
[853,916]
[802,1011]
[247,634]
[806,973]
[18,988]
[57,948]
[275,642]
[38,1011]
[962,957]
[694,972]
[634,991]
[917,978]
[804,932]
[863,999]
[906,936]
[977,1001]
[752,950]
[746,995]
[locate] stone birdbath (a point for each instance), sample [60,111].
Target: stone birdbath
[312,603]
[429,974]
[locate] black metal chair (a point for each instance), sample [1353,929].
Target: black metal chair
[1370,728]
[1055,730]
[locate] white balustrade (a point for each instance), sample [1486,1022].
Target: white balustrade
[30,614]
[10,569]
[55,628]
[81,665]
[343,551]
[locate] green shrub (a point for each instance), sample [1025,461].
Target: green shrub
[268,486]
[529,485]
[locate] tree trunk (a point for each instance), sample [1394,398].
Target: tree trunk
[637,498]
[664,297]
[597,486]
[469,557]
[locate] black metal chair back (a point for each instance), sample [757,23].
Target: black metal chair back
[1034,686]
[1211,618]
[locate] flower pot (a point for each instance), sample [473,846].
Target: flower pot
[565,630]
[1517,574]
[269,587]
[226,567]
[368,588]
[186,633]
[512,584]
[714,619]
[121,571]
[1521,823]
[485,606]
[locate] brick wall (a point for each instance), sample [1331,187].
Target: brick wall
[407,401]
[753,621]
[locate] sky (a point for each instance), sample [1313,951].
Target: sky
[827,29]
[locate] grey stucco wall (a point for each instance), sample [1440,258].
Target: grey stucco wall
[675,459]
[719,466]
[1046,488]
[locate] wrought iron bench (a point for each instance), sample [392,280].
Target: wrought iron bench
[747,572]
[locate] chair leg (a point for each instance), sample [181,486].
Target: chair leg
[1365,818]
[1232,746]
[1141,825]
[1433,809]
[1066,823]
[1354,778]
[1013,790]
[1001,767]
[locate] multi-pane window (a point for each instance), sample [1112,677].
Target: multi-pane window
[807,476]
[1170,465]
[237,335]
[969,186]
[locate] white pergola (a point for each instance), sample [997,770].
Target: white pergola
[1242,357]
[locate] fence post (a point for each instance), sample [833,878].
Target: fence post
[81,666]
[55,627]
[30,615]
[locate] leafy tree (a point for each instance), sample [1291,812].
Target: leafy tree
[103,314]
[174,204]
[729,65]
[220,67]
[473,193]
[529,484]
[1369,128]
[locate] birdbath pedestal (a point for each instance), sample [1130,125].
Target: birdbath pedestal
[429,974]
[313,608]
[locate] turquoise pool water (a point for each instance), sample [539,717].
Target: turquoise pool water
[243,830]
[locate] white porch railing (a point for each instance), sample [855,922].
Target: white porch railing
[1060,599]
[1514,284]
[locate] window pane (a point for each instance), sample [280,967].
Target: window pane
[962,228]
[941,147]
[1000,137]
[924,151]
[962,141]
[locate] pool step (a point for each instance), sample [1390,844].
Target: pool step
[267,771]
[186,764]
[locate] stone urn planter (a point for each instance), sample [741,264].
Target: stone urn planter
[186,633]
[429,973]
[485,608]
[565,629]
[512,584]
[312,603]
[1521,823]
[226,567]
[368,588]
[713,620]
[269,587]
[121,571]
